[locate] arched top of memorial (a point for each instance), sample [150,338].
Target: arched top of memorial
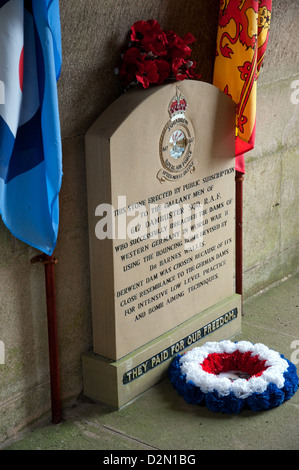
[153,100]
[167,148]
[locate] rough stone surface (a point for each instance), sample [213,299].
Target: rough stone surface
[262,200]
[289,198]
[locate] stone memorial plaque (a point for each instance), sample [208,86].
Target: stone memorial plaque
[161,202]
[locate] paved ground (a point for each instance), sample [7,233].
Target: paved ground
[160,419]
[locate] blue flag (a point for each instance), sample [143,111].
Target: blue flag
[30,140]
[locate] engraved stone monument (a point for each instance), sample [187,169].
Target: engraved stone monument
[161,203]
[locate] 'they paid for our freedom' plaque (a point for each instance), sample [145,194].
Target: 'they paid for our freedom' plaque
[161,202]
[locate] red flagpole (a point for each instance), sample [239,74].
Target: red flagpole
[49,263]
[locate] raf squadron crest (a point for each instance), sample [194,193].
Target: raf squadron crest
[176,142]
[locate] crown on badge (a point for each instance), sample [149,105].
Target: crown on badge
[178,105]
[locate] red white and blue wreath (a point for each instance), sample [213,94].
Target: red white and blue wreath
[228,376]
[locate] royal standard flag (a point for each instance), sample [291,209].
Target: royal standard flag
[241,44]
[30,141]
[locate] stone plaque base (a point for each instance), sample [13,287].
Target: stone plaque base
[115,383]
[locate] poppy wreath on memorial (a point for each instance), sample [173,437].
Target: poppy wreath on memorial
[153,56]
[227,377]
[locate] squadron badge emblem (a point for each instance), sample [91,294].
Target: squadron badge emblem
[176,142]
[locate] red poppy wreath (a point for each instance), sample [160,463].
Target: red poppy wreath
[153,56]
[228,377]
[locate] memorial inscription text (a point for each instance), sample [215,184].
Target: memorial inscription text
[165,265]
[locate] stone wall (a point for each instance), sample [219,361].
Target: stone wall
[93,32]
[271,222]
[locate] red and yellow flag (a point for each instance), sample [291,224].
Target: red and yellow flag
[241,45]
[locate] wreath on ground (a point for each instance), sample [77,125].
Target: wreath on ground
[228,376]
